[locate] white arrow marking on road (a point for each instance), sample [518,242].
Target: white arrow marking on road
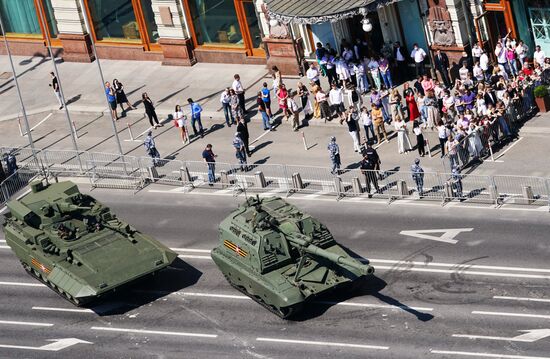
[530,336]
[447,236]
[57,345]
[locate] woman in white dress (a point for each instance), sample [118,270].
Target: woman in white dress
[403,141]
[474,140]
[432,110]
[181,121]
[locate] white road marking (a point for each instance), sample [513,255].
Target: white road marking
[57,345]
[3,209]
[463,271]
[11,322]
[39,123]
[382,306]
[159,332]
[508,149]
[447,235]
[4,247]
[260,136]
[530,336]
[74,310]
[190,256]
[243,297]
[21,284]
[331,344]
[485,355]
[208,295]
[505,314]
[461,265]
[191,250]
[2,241]
[424,267]
[522,299]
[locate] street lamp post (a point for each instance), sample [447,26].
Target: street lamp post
[31,142]
[72,131]
[88,29]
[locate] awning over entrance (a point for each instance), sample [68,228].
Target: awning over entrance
[318,11]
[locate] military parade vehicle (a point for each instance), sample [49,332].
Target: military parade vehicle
[281,257]
[77,246]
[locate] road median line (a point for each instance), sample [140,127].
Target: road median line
[32,324]
[158,332]
[485,355]
[332,344]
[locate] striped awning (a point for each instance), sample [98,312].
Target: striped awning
[318,11]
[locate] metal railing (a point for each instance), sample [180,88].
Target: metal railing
[16,182]
[132,172]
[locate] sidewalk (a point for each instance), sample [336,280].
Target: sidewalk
[168,86]
[83,89]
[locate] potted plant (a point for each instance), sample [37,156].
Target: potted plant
[542,99]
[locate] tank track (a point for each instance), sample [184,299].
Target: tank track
[283,313]
[35,274]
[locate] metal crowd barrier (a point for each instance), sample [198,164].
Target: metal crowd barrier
[16,182]
[130,172]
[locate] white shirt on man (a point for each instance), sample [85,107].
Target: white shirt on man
[539,57]
[477,51]
[224,97]
[484,62]
[336,96]
[312,74]
[237,86]
[398,55]
[418,54]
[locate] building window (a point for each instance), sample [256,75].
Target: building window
[50,18]
[114,20]
[19,18]
[215,22]
[149,17]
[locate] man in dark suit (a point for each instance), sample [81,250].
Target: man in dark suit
[442,66]
[490,96]
[400,57]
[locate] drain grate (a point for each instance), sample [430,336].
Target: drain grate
[6,75]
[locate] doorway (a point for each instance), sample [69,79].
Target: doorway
[374,38]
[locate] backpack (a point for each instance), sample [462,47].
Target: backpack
[354,96]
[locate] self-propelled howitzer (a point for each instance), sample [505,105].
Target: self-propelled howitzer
[77,246]
[282,257]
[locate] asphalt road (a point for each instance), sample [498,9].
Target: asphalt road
[426,296]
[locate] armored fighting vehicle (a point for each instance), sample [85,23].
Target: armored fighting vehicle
[77,246]
[281,257]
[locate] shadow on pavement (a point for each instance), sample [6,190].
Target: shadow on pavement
[164,99]
[177,276]
[73,99]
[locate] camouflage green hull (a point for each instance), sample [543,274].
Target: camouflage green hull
[281,257]
[81,253]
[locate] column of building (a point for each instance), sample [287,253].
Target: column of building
[72,31]
[174,37]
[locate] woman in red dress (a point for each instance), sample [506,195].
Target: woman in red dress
[282,97]
[414,114]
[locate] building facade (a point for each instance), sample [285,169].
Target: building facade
[178,32]
[183,32]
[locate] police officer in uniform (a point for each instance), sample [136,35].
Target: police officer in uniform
[367,167]
[372,154]
[418,176]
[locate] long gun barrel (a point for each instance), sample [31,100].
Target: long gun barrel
[333,257]
[66,207]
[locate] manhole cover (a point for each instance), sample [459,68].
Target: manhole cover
[6,75]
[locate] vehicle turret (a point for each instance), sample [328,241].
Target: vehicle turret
[76,245]
[281,257]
